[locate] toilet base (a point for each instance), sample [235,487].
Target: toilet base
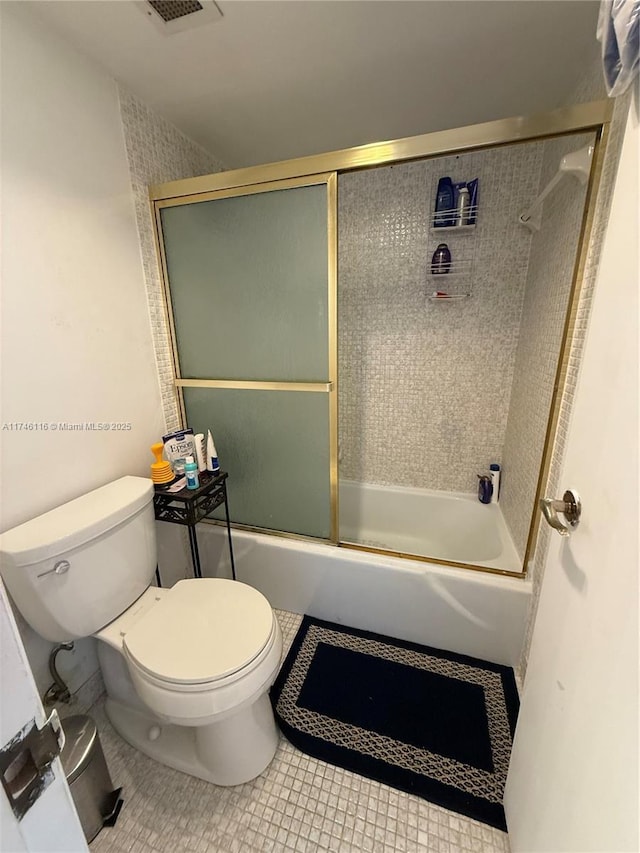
[230,752]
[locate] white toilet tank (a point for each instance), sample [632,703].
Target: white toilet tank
[74,569]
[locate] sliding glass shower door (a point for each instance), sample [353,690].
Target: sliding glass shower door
[251,283]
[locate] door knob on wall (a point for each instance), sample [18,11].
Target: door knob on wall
[570,506]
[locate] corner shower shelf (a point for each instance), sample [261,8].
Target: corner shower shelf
[444,297]
[440,215]
[450,229]
[459,268]
[455,284]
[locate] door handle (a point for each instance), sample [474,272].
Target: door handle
[570,506]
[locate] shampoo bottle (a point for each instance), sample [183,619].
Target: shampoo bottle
[494,473]
[444,213]
[212,455]
[441,260]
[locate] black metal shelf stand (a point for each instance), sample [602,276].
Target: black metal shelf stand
[189,506]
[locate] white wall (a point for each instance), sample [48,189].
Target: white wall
[76,338]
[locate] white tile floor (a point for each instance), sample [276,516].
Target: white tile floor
[297,804]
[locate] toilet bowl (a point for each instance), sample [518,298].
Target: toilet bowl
[188,669]
[199,650]
[202,654]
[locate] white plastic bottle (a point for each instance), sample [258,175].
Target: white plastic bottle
[494,473]
[200,452]
[462,209]
[213,465]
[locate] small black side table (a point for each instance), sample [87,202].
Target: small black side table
[189,506]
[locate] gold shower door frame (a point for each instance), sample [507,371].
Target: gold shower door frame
[330,181]
[323,168]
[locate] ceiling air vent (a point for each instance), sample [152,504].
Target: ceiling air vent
[170,10]
[174,16]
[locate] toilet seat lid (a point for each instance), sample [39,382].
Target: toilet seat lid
[201,631]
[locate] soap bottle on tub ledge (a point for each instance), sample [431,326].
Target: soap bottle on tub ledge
[485,488]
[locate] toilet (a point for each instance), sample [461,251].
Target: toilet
[188,669]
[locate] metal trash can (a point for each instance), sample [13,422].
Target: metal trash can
[96,801]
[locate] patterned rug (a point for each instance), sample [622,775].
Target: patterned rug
[432,723]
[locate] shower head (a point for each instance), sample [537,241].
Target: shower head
[578,163]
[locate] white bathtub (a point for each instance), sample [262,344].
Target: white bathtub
[460,610]
[442,525]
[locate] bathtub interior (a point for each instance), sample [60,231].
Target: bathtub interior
[450,526]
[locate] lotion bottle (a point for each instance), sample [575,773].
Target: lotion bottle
[212,455]
[200,452]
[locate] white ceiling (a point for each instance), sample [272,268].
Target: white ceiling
[273,80]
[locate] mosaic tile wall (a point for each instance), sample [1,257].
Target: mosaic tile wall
[424,385]
[591,89]
[158,152]
[549,279]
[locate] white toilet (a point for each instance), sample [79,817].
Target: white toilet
[188,669]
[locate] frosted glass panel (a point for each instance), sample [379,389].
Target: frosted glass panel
[275,447]
[249,283]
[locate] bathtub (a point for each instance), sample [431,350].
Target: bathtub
[442,525]
[473,613]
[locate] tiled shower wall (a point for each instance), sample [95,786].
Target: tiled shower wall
[549,279]
[158,152]
[425,385]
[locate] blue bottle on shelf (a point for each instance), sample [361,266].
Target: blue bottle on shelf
[444,214]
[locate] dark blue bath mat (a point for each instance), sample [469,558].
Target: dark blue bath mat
[432,723]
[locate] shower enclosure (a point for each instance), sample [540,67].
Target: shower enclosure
[350,403]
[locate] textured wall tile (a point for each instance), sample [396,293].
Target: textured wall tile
[424,386]
[158,152]
[549,279]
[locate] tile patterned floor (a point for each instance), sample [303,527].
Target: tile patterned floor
[298,804]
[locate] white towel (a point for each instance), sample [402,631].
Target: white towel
[618,31]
